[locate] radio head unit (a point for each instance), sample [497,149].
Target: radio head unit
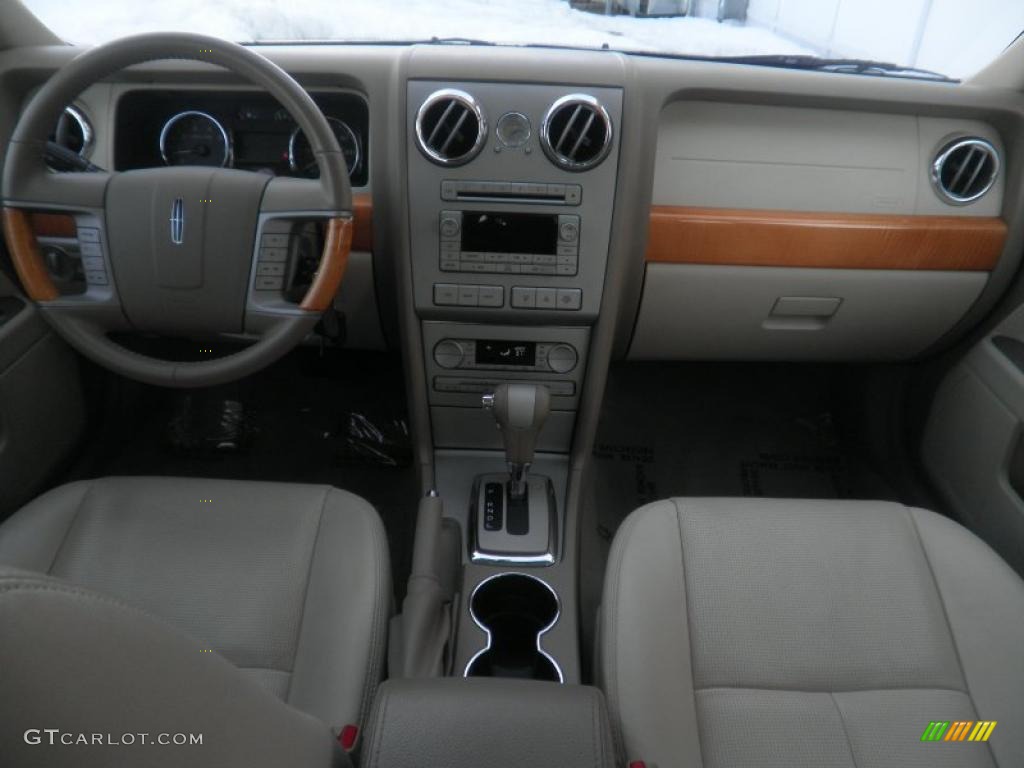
[509,243]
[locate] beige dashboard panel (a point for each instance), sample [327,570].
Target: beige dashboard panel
[707,312]
[723,155]
[795,233]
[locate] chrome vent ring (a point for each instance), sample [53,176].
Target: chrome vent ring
[74,132]
[964,170]
[576,132]
[450,127]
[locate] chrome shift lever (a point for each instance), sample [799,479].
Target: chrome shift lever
[520,410]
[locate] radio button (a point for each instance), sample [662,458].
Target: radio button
[568,250]
[469,295]
[451,224]
[446,294]
[566,270]
[524,298]
[492,296]
[568,229]
[574,194]
[570,298]
[472,256]
[520,258]
[450,246]
[562,358]
[449,265]
[545,259]
[449,353]
[547,298]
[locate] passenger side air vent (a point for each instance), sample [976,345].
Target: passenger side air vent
[450,127]
[576,132]
[965,170]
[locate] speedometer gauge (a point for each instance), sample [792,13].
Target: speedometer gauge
[194,138]
[300,154]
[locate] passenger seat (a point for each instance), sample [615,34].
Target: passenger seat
[741,632]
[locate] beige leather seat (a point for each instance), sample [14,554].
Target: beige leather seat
[800,633]
[289,583]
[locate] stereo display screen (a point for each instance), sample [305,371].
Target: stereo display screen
[486,232]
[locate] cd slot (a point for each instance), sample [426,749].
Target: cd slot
[511,192]
[511,197]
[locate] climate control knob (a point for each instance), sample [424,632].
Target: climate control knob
[562,358]
[449,353]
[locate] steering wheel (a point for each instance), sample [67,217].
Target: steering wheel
[177,250]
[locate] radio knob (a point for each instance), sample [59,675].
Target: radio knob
[569,231]
[562,358]
[449,353]
[450,226]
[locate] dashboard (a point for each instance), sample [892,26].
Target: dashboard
[237,129]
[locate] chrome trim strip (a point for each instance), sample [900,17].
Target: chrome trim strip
[540,634]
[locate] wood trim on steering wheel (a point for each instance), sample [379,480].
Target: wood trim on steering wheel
[333,262]
[28,261]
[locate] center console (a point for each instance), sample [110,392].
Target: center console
[511,194]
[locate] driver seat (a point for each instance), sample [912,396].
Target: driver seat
[290,583]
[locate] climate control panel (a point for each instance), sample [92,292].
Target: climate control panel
[505,355]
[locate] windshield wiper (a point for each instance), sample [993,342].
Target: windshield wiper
[844,66]
[456,41]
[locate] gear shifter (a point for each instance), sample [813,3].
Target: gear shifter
[520,410]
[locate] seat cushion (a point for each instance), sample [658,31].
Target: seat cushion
[290,583]
[742,632]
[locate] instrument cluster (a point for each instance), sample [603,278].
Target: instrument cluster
[230,129]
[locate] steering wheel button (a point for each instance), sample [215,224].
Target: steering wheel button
[274,241]
[269,283]
[90,249]
[88,235]
[273,254]
[93,264]
[96,277]
[274,268]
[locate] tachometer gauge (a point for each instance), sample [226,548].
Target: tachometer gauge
[194,138]
[300,154]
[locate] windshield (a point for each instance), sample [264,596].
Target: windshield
[904,35]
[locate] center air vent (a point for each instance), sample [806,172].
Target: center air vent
[450,127]
[965,170]
[576,133]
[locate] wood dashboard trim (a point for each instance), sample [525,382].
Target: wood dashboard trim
[758,238]
[362,222]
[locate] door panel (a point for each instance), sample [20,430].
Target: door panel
[974,445]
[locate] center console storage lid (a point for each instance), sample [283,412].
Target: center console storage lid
[500,723]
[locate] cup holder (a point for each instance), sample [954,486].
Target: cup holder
[515,610]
